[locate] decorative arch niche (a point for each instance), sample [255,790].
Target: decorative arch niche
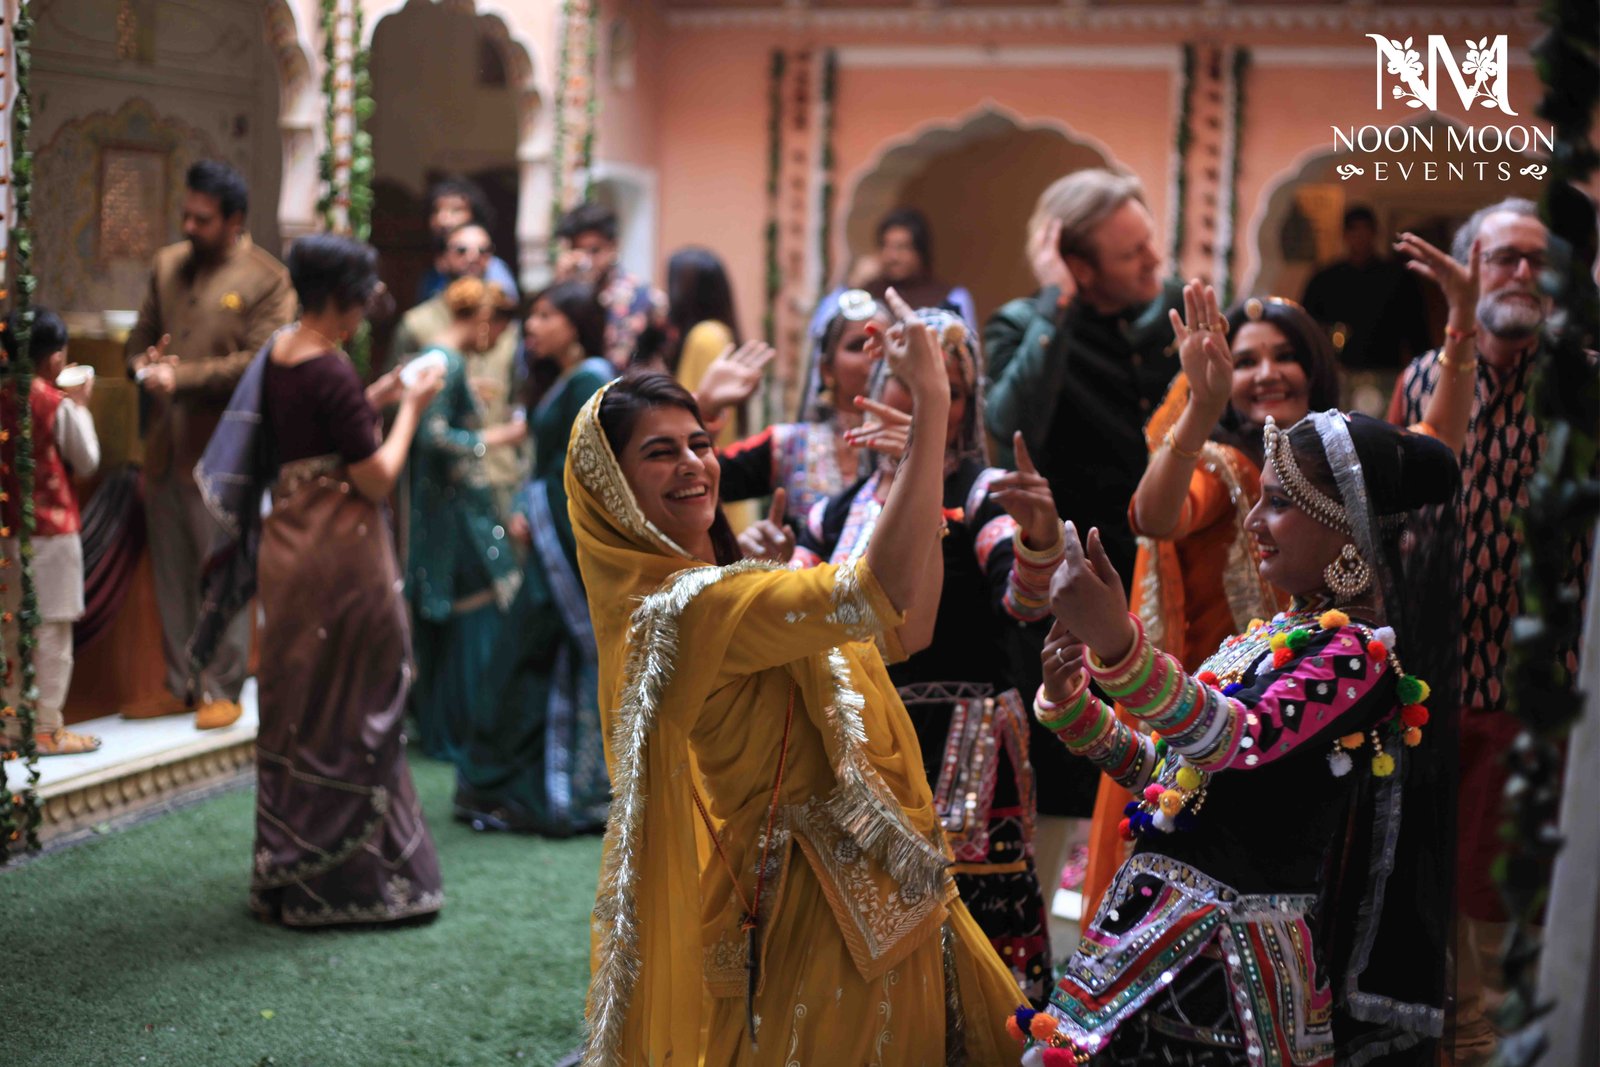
[122,107]
[514,161]
[1299,229]
[977,179]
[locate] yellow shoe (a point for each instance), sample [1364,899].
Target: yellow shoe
[216,714]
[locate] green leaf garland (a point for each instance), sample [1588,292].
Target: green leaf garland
[1563,504]
[19,810]
[830,83]
[352,190]
[1241,65]
[1181,141]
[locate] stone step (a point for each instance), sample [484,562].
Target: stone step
[141,763]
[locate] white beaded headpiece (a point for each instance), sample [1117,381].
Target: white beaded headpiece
[1311,500]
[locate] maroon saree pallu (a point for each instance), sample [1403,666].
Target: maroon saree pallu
[340,836]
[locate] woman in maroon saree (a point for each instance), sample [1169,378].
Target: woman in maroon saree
[340,836]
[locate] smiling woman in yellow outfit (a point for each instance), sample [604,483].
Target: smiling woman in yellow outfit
[768,786]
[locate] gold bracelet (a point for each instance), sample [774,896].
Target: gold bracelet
[1459,367]
[1178,450]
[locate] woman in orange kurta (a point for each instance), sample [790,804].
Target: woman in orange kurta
[1195,581]
[775,884]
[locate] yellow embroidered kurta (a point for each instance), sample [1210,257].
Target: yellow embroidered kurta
[868,956]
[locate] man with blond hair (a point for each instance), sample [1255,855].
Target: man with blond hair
[1093,352]
[1078,367]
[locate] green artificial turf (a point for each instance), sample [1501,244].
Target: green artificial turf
[137,948]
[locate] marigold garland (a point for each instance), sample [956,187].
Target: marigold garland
[773,280]
[346,201]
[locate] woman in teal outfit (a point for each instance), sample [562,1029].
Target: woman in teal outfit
[534,760]
[461,573]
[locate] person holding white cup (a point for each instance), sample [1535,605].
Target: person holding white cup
[64,445]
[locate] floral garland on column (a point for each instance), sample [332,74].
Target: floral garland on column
[825,197]
[1563,504]
[591,103]
[346,165]
[572,149]
[796,185]
[1226,253]
[1180,161]
[772,277]
[19,809]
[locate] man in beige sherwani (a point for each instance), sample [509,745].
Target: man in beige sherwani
[213,301]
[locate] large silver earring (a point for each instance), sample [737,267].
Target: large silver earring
[1347,576]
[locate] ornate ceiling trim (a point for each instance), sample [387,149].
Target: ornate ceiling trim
[1134,57]
[1352,17]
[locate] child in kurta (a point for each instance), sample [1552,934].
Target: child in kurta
[64,446]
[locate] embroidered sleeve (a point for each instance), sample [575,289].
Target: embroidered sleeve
[438,430]
[1284,708]
[778,616]
[993,536]
[1204,504]
[1311,694]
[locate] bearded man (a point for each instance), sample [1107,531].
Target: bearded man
[215,298]
[1481,377]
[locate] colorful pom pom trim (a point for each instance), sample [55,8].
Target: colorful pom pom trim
[1403,724]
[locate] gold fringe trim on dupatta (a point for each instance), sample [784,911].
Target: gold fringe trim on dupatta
[861,805]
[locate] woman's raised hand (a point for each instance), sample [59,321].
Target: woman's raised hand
[1086,597]
[1203,349]
[886,430]
[769,538]
[914,354]
[1026,496]
[386,390]
[732,377]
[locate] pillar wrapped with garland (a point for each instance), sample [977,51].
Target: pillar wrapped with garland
[577,106]
[346,165]
[1563,506]
[19,802]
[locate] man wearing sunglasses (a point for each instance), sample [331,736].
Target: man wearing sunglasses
[452,203]
[468,252]
[1478,383]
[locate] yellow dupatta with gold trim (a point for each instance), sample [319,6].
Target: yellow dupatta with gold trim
[675,634]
